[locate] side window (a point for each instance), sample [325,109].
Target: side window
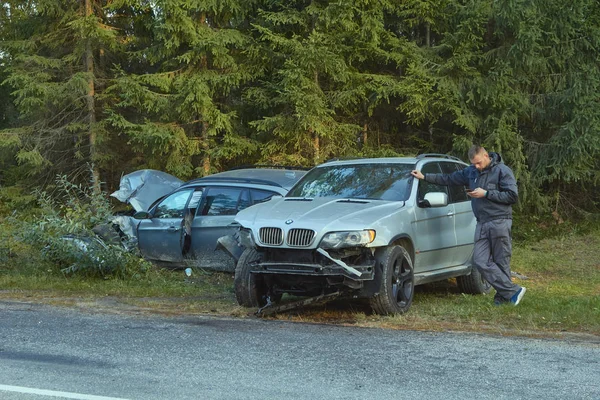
[195,201]
[260,196]
[173,206]
[427,187]
[457,193]
[245,201]
[221,201]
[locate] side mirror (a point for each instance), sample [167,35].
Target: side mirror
[435,199]
[141,215]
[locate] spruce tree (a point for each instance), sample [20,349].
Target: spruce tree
[303,64]
[177,110]
[331,71]
[52,50]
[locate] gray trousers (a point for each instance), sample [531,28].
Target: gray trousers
[493,249]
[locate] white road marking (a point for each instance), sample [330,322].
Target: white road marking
[65,395]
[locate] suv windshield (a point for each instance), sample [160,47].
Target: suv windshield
[363,181]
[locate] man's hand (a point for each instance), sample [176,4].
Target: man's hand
[477,193]
[417,174]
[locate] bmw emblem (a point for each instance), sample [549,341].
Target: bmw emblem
[289,221]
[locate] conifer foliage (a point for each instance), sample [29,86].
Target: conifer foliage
[52,54]
[196,86]
[177,110]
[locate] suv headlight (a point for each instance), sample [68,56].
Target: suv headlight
[337,240]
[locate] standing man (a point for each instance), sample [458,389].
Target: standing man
[493,190]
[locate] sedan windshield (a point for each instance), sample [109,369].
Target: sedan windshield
[361,181]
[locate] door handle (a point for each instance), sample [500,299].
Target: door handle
[450,213]
[173,229]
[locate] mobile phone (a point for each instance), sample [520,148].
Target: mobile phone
[468,190]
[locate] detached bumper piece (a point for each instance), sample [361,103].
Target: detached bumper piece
[270,309]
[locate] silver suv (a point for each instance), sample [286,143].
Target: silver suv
[364,228]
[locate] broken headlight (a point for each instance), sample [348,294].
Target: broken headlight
[338,240]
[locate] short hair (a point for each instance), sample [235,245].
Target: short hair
[474,150]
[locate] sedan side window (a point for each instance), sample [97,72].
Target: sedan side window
[427,187]
[221,201]
[245,201]
[195,201]
[173,206]
[260,196]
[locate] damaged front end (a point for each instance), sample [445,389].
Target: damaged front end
[310,272]
[140,189]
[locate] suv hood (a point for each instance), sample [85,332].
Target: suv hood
[319,214]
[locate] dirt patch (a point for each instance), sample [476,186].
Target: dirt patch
[329,315]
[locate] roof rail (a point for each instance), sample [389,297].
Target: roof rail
[233,180]
[270,166]
[344,159]
[438,155]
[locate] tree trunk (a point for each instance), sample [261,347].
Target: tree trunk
[205,138]
[430,130]
[206,148]
[317,148]
[365,134]
[91,107]
[315,134]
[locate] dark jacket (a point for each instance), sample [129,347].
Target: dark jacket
[497,179]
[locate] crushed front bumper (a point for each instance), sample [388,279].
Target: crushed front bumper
[353,272]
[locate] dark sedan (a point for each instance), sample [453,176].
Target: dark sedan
[183,227]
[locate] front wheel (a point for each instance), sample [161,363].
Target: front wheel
[250,289]
[396,287]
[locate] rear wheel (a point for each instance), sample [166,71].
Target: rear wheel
[250,289]
[397,287]
[473,283]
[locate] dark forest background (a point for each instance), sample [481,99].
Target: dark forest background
[192,87]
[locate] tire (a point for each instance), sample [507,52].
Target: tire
[473,283]
[250,289]
[397,283]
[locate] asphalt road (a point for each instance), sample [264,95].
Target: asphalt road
[48,352]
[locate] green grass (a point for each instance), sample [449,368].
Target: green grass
[563,293]
[161,290]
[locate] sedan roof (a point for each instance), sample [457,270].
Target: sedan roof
[285,178]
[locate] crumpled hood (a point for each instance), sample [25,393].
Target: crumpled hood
[141,188]
[319,214]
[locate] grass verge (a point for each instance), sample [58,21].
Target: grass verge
[562,276]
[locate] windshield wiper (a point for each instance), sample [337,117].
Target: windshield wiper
[360,201]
